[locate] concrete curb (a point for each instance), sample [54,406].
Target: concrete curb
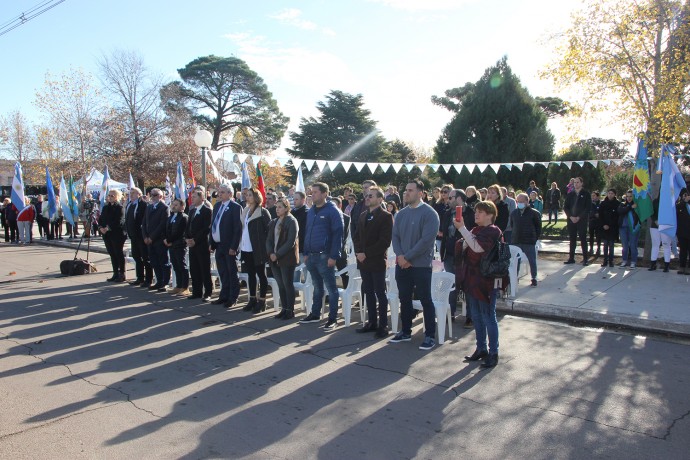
[593,316]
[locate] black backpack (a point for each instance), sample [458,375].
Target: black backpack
[496,262]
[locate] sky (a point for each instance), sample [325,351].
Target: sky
[396,53]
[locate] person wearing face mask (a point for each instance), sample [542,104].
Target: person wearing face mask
[526,224]
[683,230]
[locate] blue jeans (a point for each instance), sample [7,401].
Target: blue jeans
[417,281]
[485,323]
[321,274]
[629,243]
[530,251]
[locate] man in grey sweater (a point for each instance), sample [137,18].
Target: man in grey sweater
[414,234]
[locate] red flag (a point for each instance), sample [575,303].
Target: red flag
[192,183]
[260,181]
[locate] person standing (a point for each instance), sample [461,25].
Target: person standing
[372,240]
[536,202]
[360,206]
[526,224]
[576,206]
[414,236]
[608,216]
[11,228]
[255,220]
[271,198]
[177,248]
[481,291]
[226,232]
[322,246]
[509,199]
[134,217]
[196,235]
[659,238]
[532,188]
[282,247]
[683,231]
[629,228]
[595,225]
[495,195]
[110,225]
[25,220]
[553,200]
[153,231]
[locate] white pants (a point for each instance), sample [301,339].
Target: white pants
[24,228]
[657,239]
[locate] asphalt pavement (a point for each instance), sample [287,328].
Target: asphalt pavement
[91,369]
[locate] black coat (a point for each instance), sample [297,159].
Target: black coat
[373,238]
[578,204]
[258,232]
[608,215]
[174,231]
[199,226]
[301,215]
[683,217]
[155,220]
[450,233]
[503,215]
[134,217]
[111,217]
[526,226]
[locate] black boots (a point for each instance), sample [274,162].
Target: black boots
[250,305]
[652,266]
[666,264]
[259,306]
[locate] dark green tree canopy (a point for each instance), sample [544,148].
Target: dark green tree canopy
[496,121]
[342,131]
[225,94]
[594,178]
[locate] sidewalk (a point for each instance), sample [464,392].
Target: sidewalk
[636,299]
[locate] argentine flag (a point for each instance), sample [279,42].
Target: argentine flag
[246,183]
[52,204]
[180,187]
[672,183]
[64,201]
[17,194]
[105,187]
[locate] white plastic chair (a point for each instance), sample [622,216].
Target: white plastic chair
[304,286]
[516,254]
[441,285]
[351,292]
[392,295]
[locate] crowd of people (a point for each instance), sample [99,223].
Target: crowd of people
[459,226]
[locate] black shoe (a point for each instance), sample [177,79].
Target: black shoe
[289,314]
[490,361]
[136,282]
[368,327]
[260,306]
[666,264]
[381,332]
[121,279]
[112,279]
[468,324]
[194,297]
[611,264]
[153,287]
[219,301]
[162,289]
[533,283]
[652,267]
[477,355]
[145,285]
[585,262]
[280,315]
[569,261]
[310,318]
[604,264]
[206,299]
[250,305]
[228,305]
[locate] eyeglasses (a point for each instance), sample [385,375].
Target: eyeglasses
[444,191]
[370,196]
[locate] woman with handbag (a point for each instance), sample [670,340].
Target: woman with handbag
[282,246]
[480,291]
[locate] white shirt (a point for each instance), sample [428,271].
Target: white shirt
[215,228]
[246,244]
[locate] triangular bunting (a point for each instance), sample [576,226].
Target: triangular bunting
[282,161]
[470,167]
[594,163]
[384,166]
[519,166]
[255,159]
[421,167]
[495,167]
[446,168]
[396,167]
[580,163]
[359,166]
[321,164]
[241,157]
[346,165]
[618,161]
[481,167]
[457,168]
[434,167]
[332,165]
[567,164]
[309,164]
[606,162]
[508,166]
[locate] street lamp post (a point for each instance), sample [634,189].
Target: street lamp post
[203,140]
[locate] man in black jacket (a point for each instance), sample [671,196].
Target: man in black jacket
[576,207]
[134,216]
[153,230]
[196,234]
[526,224]
[360,207]
[177,247]
[299,212]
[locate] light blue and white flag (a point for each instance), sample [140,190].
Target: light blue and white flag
[52,203]
[65,201]
[299,186]
[672,183]
[246,182]
[105,186]
[180,187]
[17,194]
[131,182]
[168,189]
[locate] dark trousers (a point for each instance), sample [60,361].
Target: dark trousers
[577,232]
[253,270]
[41,224]
[608,250]
[227,272]
[553,210]
[594,236]
[684,247]
[140,254]
[179,264]
[56,228]
[158,255]
[13,230]
[72,230]
[374,288]
[284,276]
[200,269]
[114,245]
[417,281]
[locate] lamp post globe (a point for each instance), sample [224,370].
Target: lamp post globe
[203,140]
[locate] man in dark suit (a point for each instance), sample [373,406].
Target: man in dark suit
[576,207]
[196,235]
[372,240]
[134,216]
[226,231]
[153,230]
[177,247]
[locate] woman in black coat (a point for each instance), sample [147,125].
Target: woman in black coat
[255,220]
[608,219]
[282,247]
[110,224]
[495,195]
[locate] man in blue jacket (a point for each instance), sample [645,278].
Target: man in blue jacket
[323,243]
[226,231]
